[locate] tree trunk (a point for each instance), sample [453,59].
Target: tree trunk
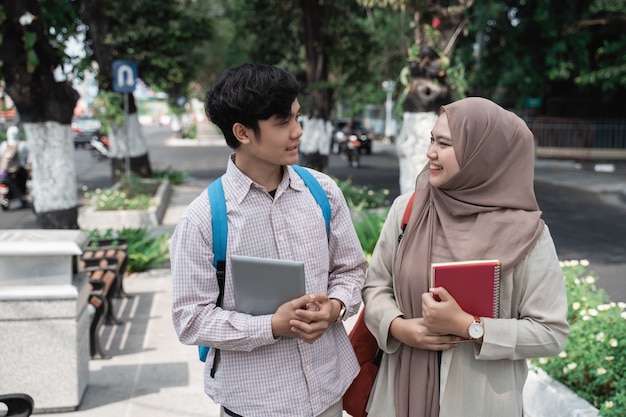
[412,144]
[53,174]
[436,32]
[315,141]
[131,145]
[45,107]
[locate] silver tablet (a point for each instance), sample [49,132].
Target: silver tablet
[261,285]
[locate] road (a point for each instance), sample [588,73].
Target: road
[583,226]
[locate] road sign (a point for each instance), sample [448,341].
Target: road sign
[124,76]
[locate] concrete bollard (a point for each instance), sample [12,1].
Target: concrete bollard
[44,319]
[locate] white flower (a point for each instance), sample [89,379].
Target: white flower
[590,279]
[574,262]
[613,342]
[604,307]
[593,312]
[576,281]
[600,337]
[609,358]
[563,354]
[586,318]
[623,315]
[575,305]
[571,366]
[621,305]
[601,371]
[26,19]
[584,262]
[543,361]
[608,404]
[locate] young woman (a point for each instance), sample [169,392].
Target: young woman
[474,200]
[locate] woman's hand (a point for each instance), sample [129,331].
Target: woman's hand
[444,316]
[413,332]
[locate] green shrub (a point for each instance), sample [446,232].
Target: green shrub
[593,361]
[369,211]
[362,197]
[173,176]
[368,224]
[130,193]
[144,250]
[190,131]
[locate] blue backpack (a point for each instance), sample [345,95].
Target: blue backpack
[219,224]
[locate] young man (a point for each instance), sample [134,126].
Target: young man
[297,361]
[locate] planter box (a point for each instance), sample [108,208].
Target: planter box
[102,220]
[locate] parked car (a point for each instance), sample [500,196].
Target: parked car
[84,129]
[363,134]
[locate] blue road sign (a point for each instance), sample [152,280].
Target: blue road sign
[124,76]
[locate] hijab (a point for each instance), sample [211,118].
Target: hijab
[488,210]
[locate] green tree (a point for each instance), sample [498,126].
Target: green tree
[335,48]
[32,37]
[530,48]
[164,38]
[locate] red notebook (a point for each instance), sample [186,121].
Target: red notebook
[475,285]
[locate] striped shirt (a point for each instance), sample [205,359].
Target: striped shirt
[258,375]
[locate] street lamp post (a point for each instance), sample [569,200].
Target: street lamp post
[389,87]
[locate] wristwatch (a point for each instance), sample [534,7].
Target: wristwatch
[476,329]
[342,311]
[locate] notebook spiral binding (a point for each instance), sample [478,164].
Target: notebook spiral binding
[496,291]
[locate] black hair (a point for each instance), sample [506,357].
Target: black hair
[247,94]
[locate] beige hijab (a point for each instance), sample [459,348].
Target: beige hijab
[487,211]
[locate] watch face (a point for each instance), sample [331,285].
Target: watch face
[476,330]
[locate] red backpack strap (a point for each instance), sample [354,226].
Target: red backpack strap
[407,211]
[407,215]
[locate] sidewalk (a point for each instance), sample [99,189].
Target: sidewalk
[152,374]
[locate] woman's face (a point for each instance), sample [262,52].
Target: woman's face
[443,163]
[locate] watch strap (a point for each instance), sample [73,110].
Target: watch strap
[342,310]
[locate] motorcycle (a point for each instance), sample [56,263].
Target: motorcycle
[100,147]
[9,191]
[352,151]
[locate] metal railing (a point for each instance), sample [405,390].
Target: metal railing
[579,138]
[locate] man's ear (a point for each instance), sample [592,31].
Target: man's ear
[242,133]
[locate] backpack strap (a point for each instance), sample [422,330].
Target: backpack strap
[318,192]
[219,225]
[406,216]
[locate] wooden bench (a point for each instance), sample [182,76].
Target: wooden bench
[110,248]
[104,261]
[98,301]
[103,274]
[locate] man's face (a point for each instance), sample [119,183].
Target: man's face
[278,139]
